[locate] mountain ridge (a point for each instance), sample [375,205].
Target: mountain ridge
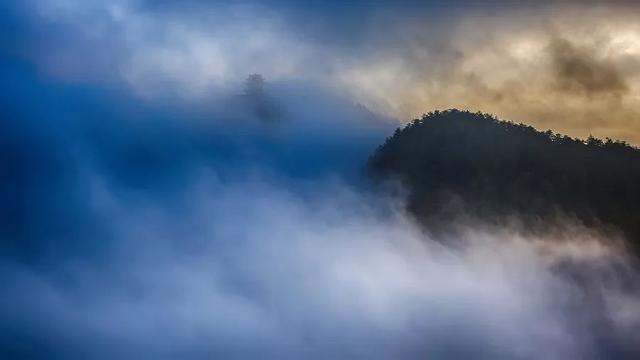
[457,162]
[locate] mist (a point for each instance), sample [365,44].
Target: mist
[208,232]
[255,271]
[149,211]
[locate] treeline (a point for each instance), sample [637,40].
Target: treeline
[455,162]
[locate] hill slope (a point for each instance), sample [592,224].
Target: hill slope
[456,161]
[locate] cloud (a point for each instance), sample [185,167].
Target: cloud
[175,224]
[545,66]
[549,65]
[252,269]
[167,231]
[578,71]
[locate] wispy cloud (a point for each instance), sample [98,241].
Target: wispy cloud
[137,222]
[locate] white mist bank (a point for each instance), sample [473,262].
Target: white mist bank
[255,270]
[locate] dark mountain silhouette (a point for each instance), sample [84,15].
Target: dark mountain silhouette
[457,163]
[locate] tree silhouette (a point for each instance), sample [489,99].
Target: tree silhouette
[254,85]
[257,100]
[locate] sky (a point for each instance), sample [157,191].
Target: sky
[151,208]
[568,66]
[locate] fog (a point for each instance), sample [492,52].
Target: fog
[155,214]
[252,269]
[208,232]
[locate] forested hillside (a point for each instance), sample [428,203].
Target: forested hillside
[457,162]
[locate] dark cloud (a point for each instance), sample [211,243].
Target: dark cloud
[579,70]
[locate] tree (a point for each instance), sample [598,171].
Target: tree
[254,86]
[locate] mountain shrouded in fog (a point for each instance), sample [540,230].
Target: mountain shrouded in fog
[472,164]
[185,179]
